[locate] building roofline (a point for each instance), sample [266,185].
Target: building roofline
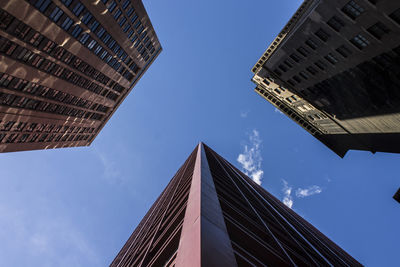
[282,35]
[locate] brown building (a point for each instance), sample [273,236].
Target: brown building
[335,70]
[211,214]
[66,66]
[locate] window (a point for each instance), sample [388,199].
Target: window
[42,5]
[140,29]
[352,9]
[110,44]
[66,2]
[76,31]
[5,19]
[283,68]
[127,27]
[111,6]
[130,33]
[106,38]
[84,38]
[125,4]
[395,16]
[122,21]
[303,51]
[312,70]
[144,34]
[91,44]
[289,100]
[21,30]
[130,11]
[103,55]
[67,23]
[133,19]
[295,57]
[97,50]
[134,38]
[321,65]
[344,51]
[331,58]
[335,23]
[78,9]
[23,138]
[56,14]
[138,24]
[296,78]
[2,137]
[117,14]
[323,35]
[100,32]
[359,41]
[304,75]
[378,30]
[93,25]
[36,39]
[312,44]
[86,18]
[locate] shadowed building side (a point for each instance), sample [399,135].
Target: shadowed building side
[334,69]
[225,219]
[397,196]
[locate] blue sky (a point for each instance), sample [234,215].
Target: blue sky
[78,206]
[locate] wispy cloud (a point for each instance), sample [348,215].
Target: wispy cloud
[287,190]
[243,114]
[111,172]
[309,191]
[287,194]
[251,159]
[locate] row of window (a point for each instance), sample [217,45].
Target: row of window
[14,83]
[359,41]
[82,13]
[18,52]
[303,122]
[16,101]
[22,31]
[14,126]
[319,65]
[382,62]
[129,24]
[36,137]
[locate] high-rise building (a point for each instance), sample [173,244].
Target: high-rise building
[66,66]
[335,70]
[397,196]
[211,214]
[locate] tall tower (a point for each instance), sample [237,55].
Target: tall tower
[66,66]
[211,214]
[334,69]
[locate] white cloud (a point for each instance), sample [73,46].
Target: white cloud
[309,191]
[287,194]
[110,169]
[243,114]
[251,159]
[300,193]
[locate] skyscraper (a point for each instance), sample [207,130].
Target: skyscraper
[66,66]
[397,196]
[211,214]
[334,69]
